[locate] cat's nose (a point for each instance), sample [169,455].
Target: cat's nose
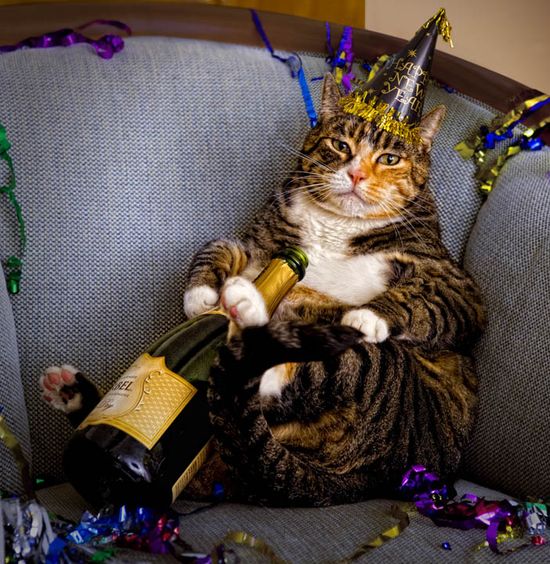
[356,175]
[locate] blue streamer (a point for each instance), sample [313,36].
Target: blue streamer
[296,69]
[310,108]
[531,143]
[491,138]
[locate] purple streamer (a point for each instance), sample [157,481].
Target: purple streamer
[434,499]
[105,47]
[336,60]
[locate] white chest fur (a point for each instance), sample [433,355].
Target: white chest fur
[354,280]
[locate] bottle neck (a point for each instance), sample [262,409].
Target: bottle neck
[274,282]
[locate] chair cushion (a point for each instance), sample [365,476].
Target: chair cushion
[306,535]
[509,255]
[126,167]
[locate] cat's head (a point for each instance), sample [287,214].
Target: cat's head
[352,168]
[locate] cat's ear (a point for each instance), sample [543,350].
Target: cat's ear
[430,124]
[331,97]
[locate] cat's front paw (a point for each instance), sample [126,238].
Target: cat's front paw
[373,326]
[199,299]
[59,388]
[244,304]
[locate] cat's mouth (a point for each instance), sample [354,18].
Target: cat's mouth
[359,196]
[355,203]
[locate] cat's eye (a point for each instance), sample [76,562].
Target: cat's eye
[341,146]
[388,159]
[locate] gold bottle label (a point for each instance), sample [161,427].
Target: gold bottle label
[191,470]
[144,401]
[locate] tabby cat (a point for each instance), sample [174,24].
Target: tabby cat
[305,410]
[364,369]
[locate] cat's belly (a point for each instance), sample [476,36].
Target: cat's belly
[351,280]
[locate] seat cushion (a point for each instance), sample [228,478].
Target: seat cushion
[509,255]
[307,535]
[126,167]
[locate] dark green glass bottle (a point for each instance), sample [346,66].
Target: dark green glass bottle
[147,437]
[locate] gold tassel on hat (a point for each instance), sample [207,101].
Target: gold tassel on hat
[443,26]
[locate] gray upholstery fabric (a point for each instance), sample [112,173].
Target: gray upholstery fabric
[125,167]
[509,255]
[11,395]
[452,178]
[324,535]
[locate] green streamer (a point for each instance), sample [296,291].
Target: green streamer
[14,264]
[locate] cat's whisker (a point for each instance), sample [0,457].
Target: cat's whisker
[419,198]
[410,227]
[423,221]
[318,195]
[304,187]
[306,172]
[388,211]
[307,178]
[406,223]
[310,159]
[416,204]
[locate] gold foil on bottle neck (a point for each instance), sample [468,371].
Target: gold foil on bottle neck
[275,282]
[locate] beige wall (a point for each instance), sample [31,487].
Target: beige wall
[508,36]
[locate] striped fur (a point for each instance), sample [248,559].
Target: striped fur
[352,413]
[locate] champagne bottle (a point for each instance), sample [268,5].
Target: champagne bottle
[147,437]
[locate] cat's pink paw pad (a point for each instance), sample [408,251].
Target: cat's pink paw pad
[55,383]
[243,302]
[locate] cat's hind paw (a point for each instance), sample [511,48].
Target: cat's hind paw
[59,388]
[375,329]
[243,303]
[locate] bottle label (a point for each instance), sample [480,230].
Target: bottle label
[192,469]
[144,401]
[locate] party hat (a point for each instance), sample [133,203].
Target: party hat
[393,99]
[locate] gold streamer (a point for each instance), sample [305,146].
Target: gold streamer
[388,535]
[11,442]
[338,75]
[380,62]
[362,84]
[473,147]
[245,539]
[489,178]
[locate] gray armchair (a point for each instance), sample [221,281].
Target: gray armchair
[125,167]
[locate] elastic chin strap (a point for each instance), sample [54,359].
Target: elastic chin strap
[14,263]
